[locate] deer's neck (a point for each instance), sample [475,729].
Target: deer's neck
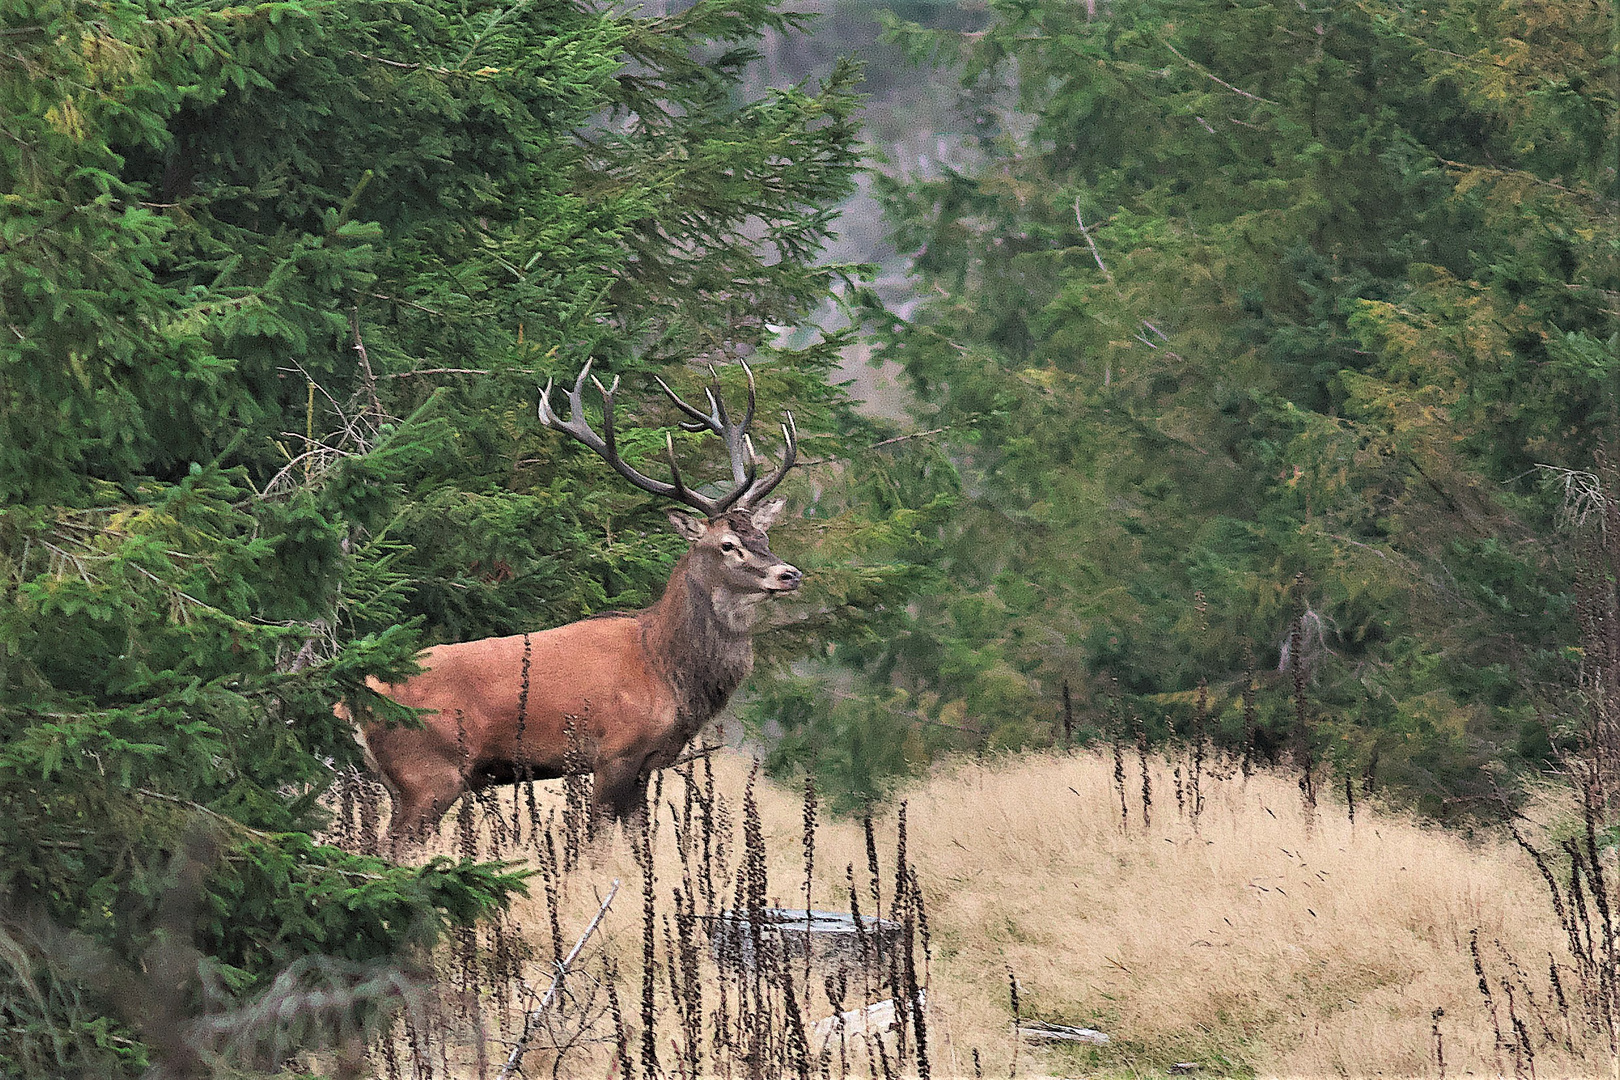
[701,643]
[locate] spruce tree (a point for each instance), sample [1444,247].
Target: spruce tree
[278,284]
[1233,294]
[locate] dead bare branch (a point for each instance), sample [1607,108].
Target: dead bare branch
[530,1021]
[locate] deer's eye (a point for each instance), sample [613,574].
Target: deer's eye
[728,547]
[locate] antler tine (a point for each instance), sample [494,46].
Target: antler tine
[790,455]
[717,403]
[607,393]
[576,396]
[546,415]
[738,495]
[701,421]
[576,425]
[748,415]
[718,421]
[686,494]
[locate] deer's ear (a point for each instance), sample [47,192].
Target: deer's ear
[688,526]
[766,516]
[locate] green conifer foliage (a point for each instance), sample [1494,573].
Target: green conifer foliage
[1245,291]
[277,285]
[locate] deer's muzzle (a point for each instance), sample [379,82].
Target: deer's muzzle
[783,578]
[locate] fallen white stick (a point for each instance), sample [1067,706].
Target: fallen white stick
[533,1018]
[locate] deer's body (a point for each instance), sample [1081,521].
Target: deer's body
[614,696]
[484,729]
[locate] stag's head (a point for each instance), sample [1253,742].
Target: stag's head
[731,556]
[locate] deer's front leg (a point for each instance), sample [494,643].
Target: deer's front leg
[419,803]
[619,794]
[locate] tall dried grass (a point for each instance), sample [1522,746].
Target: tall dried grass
[1251,936]
[1297,944]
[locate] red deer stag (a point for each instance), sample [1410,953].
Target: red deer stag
[616,695]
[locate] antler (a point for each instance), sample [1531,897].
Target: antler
[747,489]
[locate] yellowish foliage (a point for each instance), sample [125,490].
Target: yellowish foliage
[66,118]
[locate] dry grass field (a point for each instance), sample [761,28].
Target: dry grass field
[1295,945]
[1250,938]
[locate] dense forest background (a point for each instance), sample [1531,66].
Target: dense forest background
[1248,321]
[1231,330]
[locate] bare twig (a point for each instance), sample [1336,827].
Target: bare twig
[1204,71]
[402,65]
[365,362]
[229,823]
[1523,175]
[968,421]
[291,466]
[1583,495]
[1092,244]
[407,303]
[695,755]
[515,1060]
[460,371]
[907,438]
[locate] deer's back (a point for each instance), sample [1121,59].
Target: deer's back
[532,696]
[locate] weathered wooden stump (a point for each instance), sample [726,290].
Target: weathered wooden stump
[831,938]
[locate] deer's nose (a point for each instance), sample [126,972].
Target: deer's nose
[785,577]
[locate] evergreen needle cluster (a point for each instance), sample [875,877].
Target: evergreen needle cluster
[277,284]
[1250,323]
